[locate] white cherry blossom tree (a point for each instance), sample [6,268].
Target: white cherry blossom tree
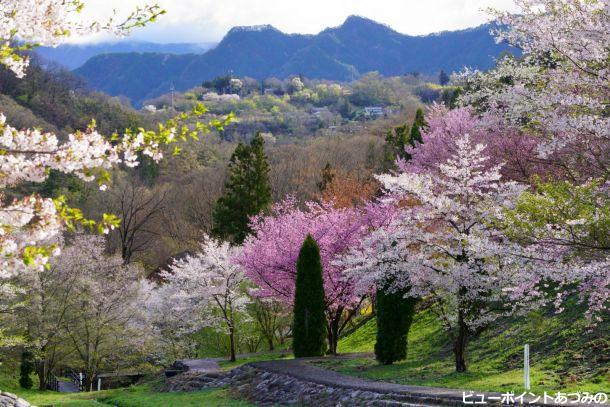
[442,243]
[209,289]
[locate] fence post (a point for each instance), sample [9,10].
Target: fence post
[526,366]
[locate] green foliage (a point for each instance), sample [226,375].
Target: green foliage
[585,208]
[26,369]
[402,136]
[220,84]
[309,324]
[418,124]
[397,140]
[248,192]
[370,90]
[142,395]
[394,315]
[566,355]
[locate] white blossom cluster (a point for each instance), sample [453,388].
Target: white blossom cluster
[28,156]
[47,22]
[561,85]
[205,289]
[442,243]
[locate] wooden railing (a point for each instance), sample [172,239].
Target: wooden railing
[51,382]
[78,379]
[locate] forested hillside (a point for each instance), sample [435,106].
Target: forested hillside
[342,53]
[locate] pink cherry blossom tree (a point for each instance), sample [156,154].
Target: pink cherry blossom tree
[504,143]
[269,256]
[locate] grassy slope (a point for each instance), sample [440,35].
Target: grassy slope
[564,355]
[135,396]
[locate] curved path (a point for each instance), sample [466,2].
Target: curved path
[302,369]
[66,387]
[207,365]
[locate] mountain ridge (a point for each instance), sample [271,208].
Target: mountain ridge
[341,53]
[72,56]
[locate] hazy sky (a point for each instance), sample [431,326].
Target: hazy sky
[209,20]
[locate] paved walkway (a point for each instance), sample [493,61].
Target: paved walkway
[66,387]
[207,365]
[302,369]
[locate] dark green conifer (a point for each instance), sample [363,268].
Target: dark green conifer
[443,78]
[394,315]
[26,369]
[418,124]
[309,323]
[247,193]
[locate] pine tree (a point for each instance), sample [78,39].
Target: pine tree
[418,124]
[402,136]
[26,369]
[443,78]
[309,323]
[248,192]
[396,141]
[394,316]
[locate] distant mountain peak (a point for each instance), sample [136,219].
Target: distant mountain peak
[354,18]
[252,28]
[360,21]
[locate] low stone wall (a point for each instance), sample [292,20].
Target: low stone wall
[11,400]
[267,389]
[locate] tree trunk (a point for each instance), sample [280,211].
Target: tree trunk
[270,342]
[88,381]
[232,343]
[459,344]
[333,334]
[41,372]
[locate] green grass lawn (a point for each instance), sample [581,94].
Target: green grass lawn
[136,396]
[564,355]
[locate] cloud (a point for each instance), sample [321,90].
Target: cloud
[207,20]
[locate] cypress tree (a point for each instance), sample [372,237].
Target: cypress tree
[394,315]
[26,369]
[309,323]
[418,124]
[443,78]
[248,192]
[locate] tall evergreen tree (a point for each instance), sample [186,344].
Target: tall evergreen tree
[26,369]
[443,78]
[418,124]
[402,136]
[309,323]
[394,317]
[396,141]
[248,192]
